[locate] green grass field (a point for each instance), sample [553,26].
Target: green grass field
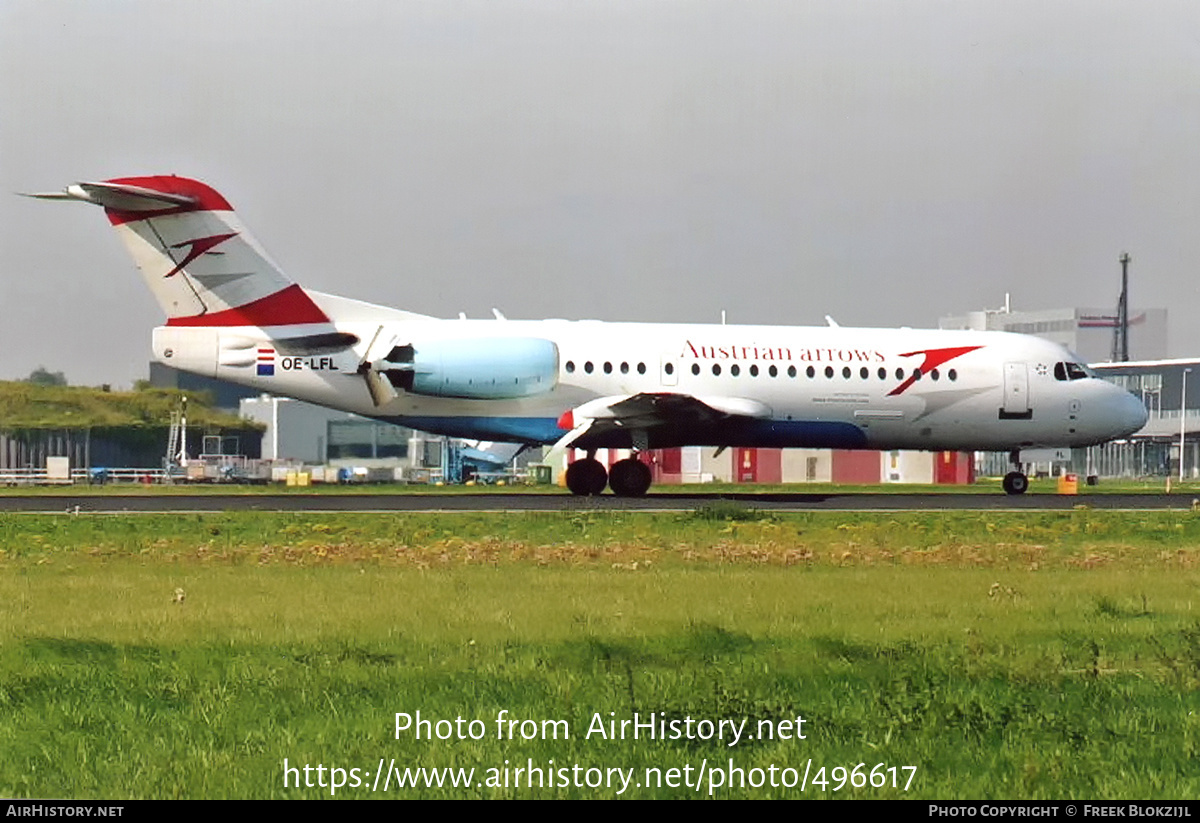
[1039,655]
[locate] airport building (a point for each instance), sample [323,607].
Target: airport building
[306,434]
[1087,332]
[98,429]
[314,436]
[704,464]
[226,396]
[1170,390]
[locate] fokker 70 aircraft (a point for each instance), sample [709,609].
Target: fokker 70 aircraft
[588,385]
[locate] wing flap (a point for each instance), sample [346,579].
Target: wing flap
[652,410]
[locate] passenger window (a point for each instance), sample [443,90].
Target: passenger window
[641,368]
[811,372]
[624,368]
[754,371]
[882,373]
[792,371]
[774,372]
[735,370]
[952,374]
[695,368]
[829,371]
[587,367]
[716,370]
[570,367]
[863,372]
[607,367]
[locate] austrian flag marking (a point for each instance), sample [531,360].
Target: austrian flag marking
[266,362]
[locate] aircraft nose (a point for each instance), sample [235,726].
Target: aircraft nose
[1129,413]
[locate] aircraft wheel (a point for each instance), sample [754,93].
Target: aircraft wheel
[586,477]
[629,478]
[1015,483]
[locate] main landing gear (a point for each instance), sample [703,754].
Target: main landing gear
[1015,482]
[586,477]
[628,478]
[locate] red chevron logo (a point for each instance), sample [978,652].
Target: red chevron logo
[199,246]
[933,359]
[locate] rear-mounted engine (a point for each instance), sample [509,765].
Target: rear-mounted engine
[495,368]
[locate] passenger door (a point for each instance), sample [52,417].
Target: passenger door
[1016,393]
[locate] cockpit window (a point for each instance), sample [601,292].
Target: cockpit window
[1070,371]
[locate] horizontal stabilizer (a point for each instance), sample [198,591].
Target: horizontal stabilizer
[123,197]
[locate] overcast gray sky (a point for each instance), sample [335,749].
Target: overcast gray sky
[883,162]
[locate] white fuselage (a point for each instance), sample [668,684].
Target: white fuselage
[799,387]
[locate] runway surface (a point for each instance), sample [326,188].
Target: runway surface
[552,502]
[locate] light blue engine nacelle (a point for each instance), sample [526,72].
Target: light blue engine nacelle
[490,368]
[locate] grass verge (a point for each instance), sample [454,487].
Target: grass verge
[1040,655]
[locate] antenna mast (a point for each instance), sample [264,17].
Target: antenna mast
[1120,349]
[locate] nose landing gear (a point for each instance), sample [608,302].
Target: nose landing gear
[1015,482]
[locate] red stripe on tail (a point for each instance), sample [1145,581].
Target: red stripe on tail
[287,307]
[207,198]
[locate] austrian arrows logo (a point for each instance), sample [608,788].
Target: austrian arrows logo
[933,359]
[199,246]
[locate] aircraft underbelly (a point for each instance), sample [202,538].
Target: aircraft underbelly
[814,434]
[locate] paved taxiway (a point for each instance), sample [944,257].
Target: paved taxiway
[442,502]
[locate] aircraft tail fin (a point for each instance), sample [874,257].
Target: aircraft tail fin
[202,265]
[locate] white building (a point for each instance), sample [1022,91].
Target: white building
[1087,332]
[305,433]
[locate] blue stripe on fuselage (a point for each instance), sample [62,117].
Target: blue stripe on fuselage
[501,429]
[812,434]
[782,434]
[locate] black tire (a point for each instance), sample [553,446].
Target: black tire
[586,477]
[629,478]
[1015,483]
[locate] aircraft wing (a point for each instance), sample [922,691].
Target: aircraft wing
[639,413]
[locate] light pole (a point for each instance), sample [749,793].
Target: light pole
[1182,419]
[183,432]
